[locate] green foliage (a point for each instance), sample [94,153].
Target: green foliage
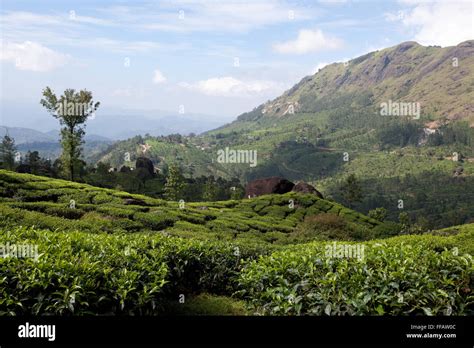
[175,184]
[379,214]
[328,226]
[83,274]
[351,190]
[399,133]
[156,220]
[453,133]
[387,229]
[210,190]
[72,110]
[391,279]
[7,153]
[266,219]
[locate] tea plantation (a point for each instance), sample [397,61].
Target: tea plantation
[106,252]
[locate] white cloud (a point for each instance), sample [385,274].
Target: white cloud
[32,56]
[443,23]
[158,77]
[231,87]
[120,46]
[308,41]
[78,31]
[205,15]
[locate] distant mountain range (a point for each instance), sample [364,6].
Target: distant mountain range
[27,135]
[111,127]
[114,124]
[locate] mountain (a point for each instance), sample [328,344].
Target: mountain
[48,143]
[127,124]
[26,135]
[112,122]
[304,133]
[440,79]
[56,134]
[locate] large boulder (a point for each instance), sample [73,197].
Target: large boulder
[267,186]
[143,163]
[304,187]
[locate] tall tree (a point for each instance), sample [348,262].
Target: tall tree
[72,110]
[351,190]
[210,189]
[33,159]
[7,152]
[175,183]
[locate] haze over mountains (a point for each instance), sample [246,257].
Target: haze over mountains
[113,124]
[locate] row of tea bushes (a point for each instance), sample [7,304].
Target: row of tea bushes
[62,205]
[406,275]
[132,274]
[80,273]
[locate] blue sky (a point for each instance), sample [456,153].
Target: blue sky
[162,54]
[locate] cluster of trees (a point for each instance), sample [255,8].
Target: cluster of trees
[171,184]
[430,200]
[7,153]
[400,133]
[31,162]
[453,133]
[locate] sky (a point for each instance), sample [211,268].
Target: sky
[218,58]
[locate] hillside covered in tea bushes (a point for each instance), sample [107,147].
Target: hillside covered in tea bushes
[103,252]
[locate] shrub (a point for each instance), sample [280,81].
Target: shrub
[387,229]
[65,212]
[118,212]
[102,198]
[156,221]
[275,211]
[82,274]
[321,227]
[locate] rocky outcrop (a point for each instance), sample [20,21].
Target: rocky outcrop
[303,187]
[268,186]
[145,164]
[279,186]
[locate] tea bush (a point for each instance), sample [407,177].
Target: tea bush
[79,273]
[156,221]
[392,279]
[131,274]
